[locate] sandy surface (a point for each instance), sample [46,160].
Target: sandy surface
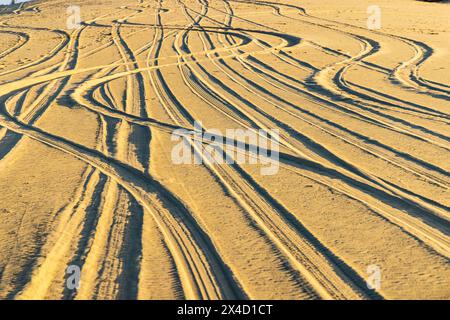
[87,176]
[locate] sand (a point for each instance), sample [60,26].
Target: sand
[359,204]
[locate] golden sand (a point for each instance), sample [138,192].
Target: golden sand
[87,175]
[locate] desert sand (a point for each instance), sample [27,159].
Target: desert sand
[87,177]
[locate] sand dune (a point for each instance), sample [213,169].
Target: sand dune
[89,182]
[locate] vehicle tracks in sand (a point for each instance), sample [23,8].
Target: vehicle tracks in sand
[120,204]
